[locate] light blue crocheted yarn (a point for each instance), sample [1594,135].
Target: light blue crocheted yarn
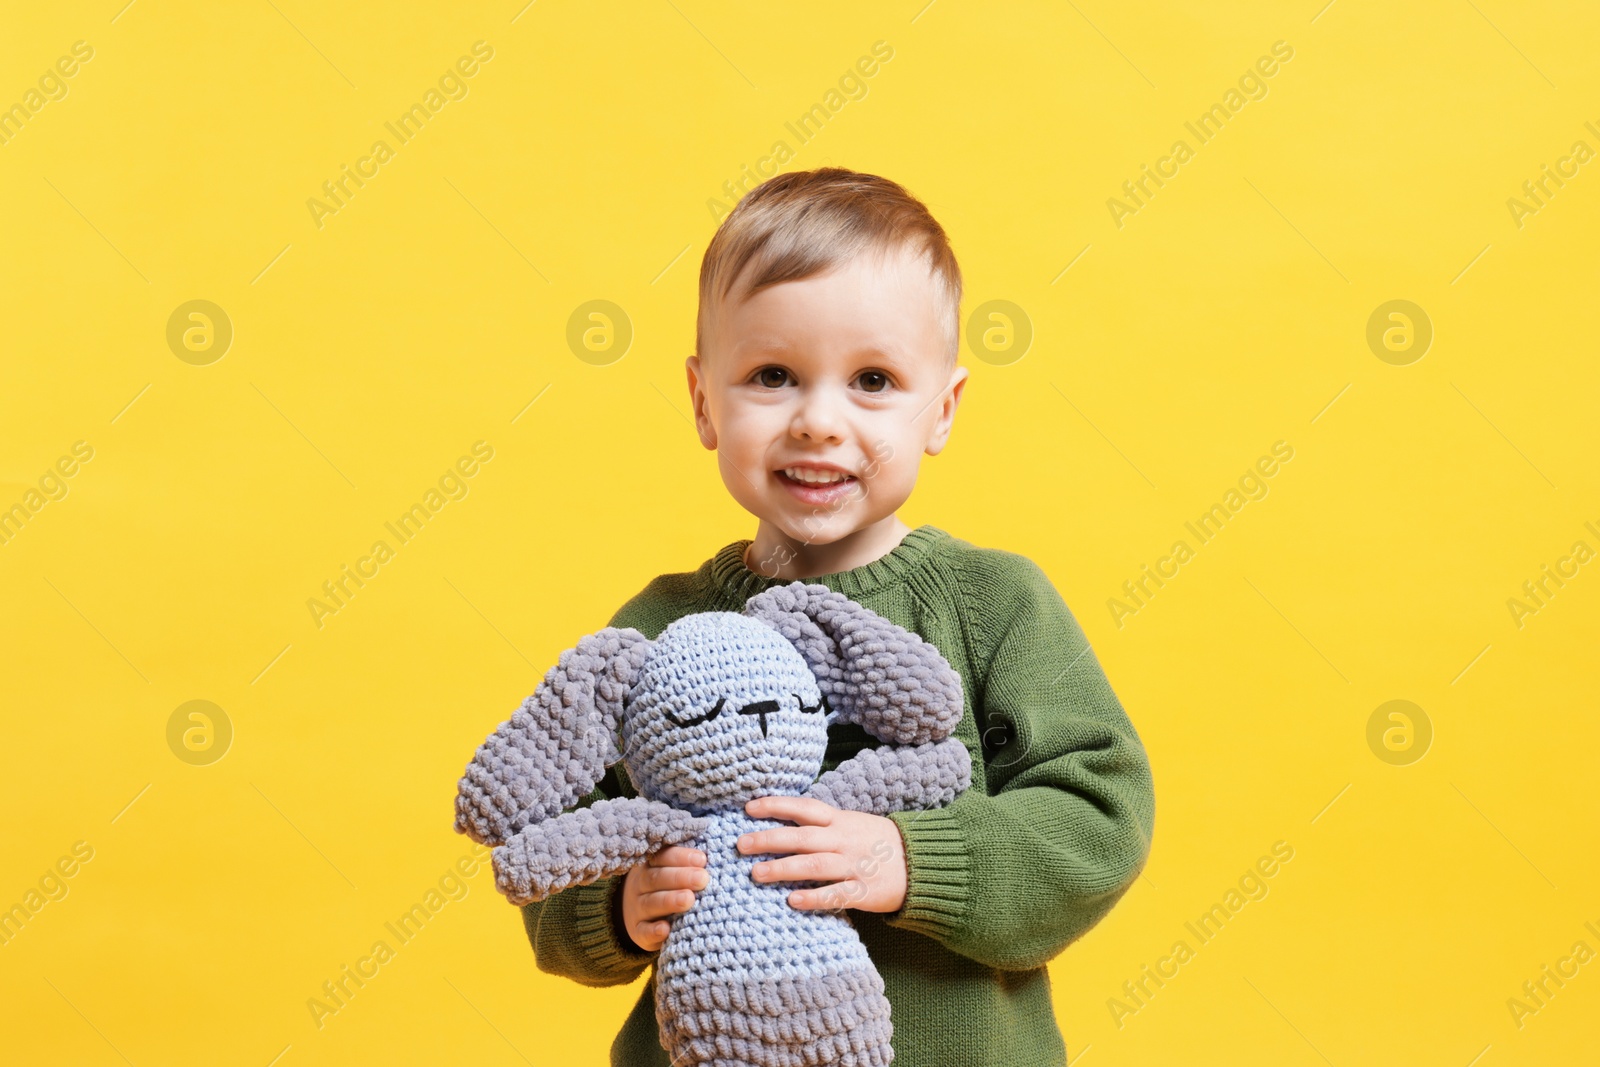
[735,666]
[733,662]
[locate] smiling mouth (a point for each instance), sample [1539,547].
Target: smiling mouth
[816,476]
[817,486]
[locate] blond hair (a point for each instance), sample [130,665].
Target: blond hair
[803,223]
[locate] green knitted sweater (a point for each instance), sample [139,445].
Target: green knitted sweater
[1054,829]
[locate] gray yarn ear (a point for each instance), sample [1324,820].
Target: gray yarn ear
[555,748]
[877,674]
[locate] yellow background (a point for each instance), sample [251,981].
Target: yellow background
[1227,314]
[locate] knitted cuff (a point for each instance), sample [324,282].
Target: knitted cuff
[938,873]
[597,933]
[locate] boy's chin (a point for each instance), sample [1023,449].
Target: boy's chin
[811,529]
[808,533]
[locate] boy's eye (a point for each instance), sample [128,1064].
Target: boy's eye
[872,381]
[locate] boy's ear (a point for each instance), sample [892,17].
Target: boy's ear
[940,434]
[697,399]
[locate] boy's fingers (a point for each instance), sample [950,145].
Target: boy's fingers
[828,898]
[808,810]
[649,935]
[808,866]
[658,878]
[678,856]
[788,839]
[669,902]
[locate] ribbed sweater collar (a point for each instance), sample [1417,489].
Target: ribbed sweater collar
[729,575]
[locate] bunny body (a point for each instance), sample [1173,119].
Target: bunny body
[722,708]
[746,978]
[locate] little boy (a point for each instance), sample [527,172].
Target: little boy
[824,369]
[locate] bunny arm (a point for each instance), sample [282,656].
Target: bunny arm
[587,844]
[897,778]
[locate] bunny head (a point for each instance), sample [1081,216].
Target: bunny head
[724,709]
[720,708]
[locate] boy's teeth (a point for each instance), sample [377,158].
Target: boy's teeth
[815,477]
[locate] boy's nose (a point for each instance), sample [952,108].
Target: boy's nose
[819,419]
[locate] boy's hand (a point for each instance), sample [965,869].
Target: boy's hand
[661,886]
[861,854]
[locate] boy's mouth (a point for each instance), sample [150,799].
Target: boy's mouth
[817,485]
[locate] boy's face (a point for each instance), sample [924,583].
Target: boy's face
[842,374]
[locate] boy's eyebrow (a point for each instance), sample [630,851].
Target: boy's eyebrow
[771,344]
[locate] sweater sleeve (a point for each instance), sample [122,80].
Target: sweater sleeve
[578,933]
[1011,874]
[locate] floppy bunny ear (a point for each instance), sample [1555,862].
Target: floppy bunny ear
[557,746]
[889,680]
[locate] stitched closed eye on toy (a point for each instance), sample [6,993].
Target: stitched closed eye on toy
[723,707]
[761,707]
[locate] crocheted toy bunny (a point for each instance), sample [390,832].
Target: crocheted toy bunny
[721,708]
